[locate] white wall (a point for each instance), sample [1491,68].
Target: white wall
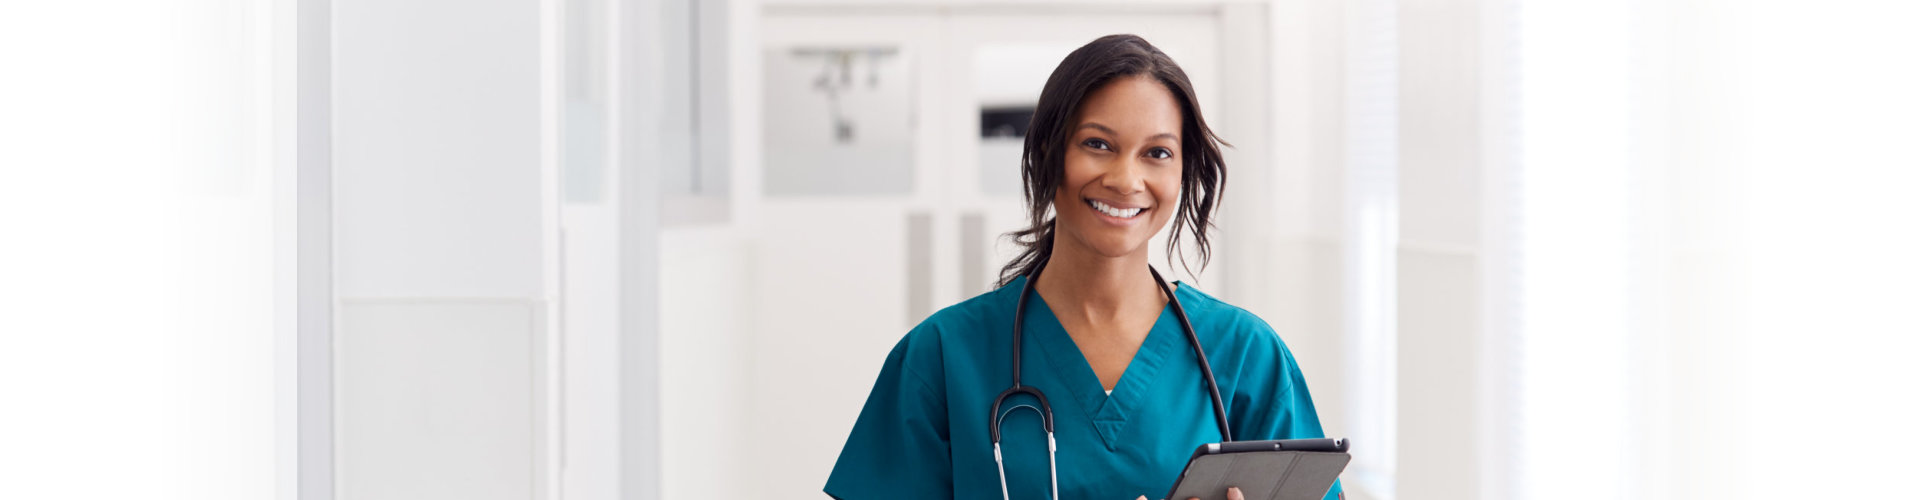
[145,333]
[706,408]
[437,148]
[1440,262]
[441,222]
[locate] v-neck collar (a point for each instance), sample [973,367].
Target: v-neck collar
[1108,414]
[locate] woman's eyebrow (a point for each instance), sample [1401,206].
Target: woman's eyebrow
[1096,126]
[1109,131]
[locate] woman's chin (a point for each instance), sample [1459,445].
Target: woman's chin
[1117,248]
[1109,242]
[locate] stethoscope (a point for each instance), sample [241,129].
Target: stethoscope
[1046,410]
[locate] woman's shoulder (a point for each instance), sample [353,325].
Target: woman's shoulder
[1219,315]
[928,343]
[1230,326]
[991,306]
[977,313]
[1240,343]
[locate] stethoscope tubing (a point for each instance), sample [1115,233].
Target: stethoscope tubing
[1046,410]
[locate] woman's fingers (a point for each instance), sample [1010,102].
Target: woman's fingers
[1232,494]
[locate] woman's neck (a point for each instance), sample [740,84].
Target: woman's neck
[1096,288]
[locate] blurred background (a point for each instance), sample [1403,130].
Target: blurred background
[638,249]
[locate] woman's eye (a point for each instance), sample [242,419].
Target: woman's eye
[1097,144]
[1160,153]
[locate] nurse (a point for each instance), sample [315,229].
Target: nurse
[1116,149]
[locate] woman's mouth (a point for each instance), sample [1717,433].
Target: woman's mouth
[1115,212]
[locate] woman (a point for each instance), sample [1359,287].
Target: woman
[1116,149]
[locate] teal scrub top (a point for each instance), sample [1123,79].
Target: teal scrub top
[923,431]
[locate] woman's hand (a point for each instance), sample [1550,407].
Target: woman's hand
[1232,494]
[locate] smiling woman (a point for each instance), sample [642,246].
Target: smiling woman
[1116,150]
[1074,125]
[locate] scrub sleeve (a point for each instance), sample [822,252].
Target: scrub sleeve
[899,447]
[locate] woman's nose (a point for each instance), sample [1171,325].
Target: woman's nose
[1125,177]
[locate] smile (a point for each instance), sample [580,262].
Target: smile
[1110,210]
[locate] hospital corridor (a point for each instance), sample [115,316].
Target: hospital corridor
[783,249]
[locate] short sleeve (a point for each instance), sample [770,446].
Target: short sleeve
[1272,401]
[1274,395]
[899,445]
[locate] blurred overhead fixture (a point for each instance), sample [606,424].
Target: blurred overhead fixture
[836,78]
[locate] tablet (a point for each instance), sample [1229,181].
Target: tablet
[1288,469]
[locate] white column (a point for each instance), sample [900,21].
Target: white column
[444,224]
[1439,257]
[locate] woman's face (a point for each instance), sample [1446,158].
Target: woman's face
[1123,165]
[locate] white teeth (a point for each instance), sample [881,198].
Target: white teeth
[1124,213]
